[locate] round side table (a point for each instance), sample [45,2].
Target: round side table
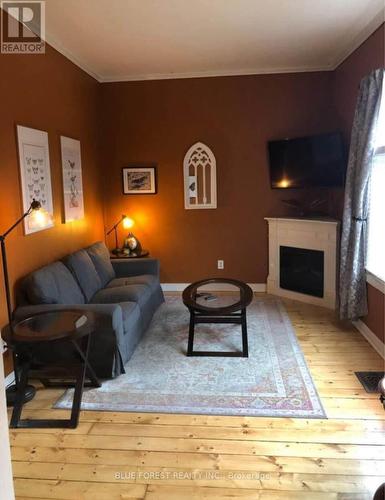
[74,326]
[132,255]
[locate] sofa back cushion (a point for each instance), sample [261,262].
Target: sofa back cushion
[100,257]
[82,267]
[52,284]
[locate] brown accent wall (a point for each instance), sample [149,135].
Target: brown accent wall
[236,116]
[347,77]
[50,93]
[369,56]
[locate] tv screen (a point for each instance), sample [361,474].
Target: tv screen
[314,161]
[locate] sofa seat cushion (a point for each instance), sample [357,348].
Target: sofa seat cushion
[131,315]
[143,279]
[118,294]
[52,284]
[100,257]
[82,267]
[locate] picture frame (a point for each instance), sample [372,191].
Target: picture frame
[72,179]
[139,179]
[35,175]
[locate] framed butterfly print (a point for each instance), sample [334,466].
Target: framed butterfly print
[72,179]
[35,175]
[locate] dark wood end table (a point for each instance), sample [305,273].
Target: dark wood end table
[24,337]
[133,255]
[205,311]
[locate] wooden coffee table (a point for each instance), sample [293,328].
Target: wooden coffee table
[231,310]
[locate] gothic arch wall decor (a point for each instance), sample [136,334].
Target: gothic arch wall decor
[200,177]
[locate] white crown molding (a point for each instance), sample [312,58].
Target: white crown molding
[353,45]
[215,287]
[209,74]
[373,340]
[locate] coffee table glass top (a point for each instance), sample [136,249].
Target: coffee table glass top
[237,295]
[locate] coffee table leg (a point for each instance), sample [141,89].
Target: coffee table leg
[190,346]
[245,345]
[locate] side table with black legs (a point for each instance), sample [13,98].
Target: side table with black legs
[25,337]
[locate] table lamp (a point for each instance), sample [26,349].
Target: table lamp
[127,224]
[40,216]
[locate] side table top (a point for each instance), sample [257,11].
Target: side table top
[132,255]
[53,325]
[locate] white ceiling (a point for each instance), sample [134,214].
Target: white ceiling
[118,40]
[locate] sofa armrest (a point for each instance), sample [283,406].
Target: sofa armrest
[133,267]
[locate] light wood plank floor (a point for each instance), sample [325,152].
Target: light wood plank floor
[167,457]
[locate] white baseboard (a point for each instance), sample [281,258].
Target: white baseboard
[373,340]
[216,287]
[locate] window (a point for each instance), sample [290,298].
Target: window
[376,230]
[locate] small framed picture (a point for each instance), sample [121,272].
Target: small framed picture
[139,179]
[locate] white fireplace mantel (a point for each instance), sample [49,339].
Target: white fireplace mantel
[313,234]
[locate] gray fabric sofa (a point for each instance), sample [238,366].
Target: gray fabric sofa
[125,292]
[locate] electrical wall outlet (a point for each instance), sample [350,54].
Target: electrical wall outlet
[221,264]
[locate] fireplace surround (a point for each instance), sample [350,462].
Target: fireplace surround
[303,259]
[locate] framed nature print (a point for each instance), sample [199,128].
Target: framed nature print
[35,175]
[72,179]
[139,179]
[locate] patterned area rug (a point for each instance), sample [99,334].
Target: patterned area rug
[274,381]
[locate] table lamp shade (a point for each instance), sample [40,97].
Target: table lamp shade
[128,223]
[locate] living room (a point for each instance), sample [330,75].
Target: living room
[135,94]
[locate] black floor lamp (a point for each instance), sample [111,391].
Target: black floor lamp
[12,390]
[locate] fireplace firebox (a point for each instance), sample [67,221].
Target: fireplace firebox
[302,270]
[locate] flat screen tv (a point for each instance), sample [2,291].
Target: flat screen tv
[314,161]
